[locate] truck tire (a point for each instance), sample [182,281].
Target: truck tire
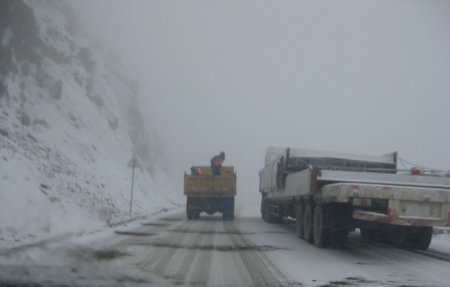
[299,220]
[196,215]
[398,237]
[391,234]
[340,224]
[264,208]
[189,211]
[189,214]
[367,234]
[321,224]
[228,209]
[308,223]
[266,211]
[418,237]
[227,217]
[338,238]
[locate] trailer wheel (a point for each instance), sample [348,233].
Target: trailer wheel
[321,224]
[308,223]
[391,234]
[299,218]
[398,237]
[367,234]
[340,224]
[418,237]
[339,238]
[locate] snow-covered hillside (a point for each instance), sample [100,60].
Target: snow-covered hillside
[69,124]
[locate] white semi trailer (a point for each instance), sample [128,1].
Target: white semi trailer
[331,194]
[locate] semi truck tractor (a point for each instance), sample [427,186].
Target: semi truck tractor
[210,193]
[330,194]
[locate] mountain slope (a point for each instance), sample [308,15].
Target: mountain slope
[69,124]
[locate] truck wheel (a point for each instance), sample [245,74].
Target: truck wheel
[231,209]
[227,217]
[189,214]
[321,224]
[398,237]
[196,215]
[308,223]
[266,211]
[339,238]
[228,209]
[418,237]
[367,234]
[189,211]
[299,218]
[391,234]
[340,224]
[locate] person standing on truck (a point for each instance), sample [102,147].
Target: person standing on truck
[216,163]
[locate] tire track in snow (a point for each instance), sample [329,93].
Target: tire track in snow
[261,270]
[175,256]
[195,266]
[201,272]
[159,258]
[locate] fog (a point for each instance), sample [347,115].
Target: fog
[357,76]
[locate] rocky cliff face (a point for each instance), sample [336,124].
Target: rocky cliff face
[69,124]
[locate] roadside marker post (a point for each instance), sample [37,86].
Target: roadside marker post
[133,163]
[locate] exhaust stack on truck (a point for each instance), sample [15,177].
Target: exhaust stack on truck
[331,194]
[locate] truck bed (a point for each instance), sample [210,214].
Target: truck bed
[399,205]
[210,186]
[384,178]
[398,199]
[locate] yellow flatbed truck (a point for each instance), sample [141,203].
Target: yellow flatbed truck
[210,193]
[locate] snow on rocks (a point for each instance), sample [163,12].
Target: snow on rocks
[69,123]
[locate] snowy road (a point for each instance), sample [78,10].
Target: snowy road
[206,252]
[170,250]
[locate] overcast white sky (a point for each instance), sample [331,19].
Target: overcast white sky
[356,76]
